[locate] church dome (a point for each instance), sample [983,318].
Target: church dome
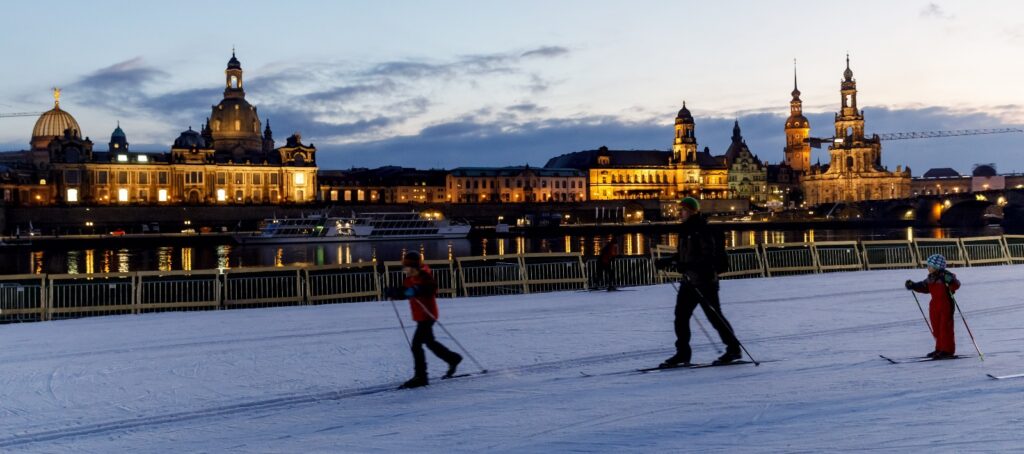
[190,139]
[797,121]
[684,115]
[52,124]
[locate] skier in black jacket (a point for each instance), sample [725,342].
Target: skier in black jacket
[697,261]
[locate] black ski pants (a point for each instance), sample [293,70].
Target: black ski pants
[705,295]
[425,336]
[606,274]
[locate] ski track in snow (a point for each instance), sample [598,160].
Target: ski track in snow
[296,379]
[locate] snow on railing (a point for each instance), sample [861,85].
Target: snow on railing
[43,297]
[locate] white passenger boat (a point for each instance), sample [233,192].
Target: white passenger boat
[361,227]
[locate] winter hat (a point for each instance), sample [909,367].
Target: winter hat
[690,203]
[412,259]
[936,261]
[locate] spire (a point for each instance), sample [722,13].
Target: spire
[848,74]
[56,98]
[267,134]
[736,136]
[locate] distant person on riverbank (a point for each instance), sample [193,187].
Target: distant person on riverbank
[604,264]
[420,288]
[699,259]
[940,284]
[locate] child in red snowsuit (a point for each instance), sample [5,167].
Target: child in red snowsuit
[420,288]
[940,284]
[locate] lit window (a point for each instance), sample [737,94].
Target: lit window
[122,195]
[143,158]
[72,195]
[300,178]
[161,195]
[122,158]
[221,195]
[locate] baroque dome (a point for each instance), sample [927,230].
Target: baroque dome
[52,124]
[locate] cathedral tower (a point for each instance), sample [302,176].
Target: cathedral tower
[684,148]
[798,129]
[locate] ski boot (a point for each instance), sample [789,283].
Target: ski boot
[676,360]
[943,355]
[932,354]
[415,382]
[452,366]
[727,358]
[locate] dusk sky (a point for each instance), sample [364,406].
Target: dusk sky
[453,83]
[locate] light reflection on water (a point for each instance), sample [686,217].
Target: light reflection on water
[226,256]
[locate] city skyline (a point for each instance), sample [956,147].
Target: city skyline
[420,94]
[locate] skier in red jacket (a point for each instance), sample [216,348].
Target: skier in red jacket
[421,289]
[940,284]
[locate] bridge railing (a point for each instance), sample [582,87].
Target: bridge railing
[889,254]
[1014,247]
[491,275]
[177,290]
[950,248]
[263,287]
[23,298]
[985,250]
[345,283]
[744,261]
[45,297]
[789,258]
[554,271]
[630,271]
[837,256]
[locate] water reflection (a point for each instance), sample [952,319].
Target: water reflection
[168,258]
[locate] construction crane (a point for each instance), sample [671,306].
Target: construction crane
[21,114]
[816,142]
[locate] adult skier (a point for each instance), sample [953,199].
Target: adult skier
[698,260]
[940,284]
[604,264]
[420,287]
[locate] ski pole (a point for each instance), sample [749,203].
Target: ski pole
[401,323]
[463,348]
[707,304]
[922,313]
[701,325]
[969,333]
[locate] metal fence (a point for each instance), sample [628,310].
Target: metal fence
[888,254]
[1014,248]
[22,298]
[25,298]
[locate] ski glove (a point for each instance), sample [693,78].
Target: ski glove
[948,278]
[397,293]
[909,284]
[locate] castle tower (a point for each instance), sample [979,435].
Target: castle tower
[798,129]
[684,148]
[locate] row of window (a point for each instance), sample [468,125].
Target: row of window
[193,177]
[490,183]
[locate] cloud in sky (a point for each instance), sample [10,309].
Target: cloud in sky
[934,11]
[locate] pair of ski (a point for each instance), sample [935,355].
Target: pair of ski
[920,359]
[692,366]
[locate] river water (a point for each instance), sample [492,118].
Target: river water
[104,259]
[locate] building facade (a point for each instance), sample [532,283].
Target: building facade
[231,161]
[747,176]
[390,184]
[515,184]
[855,171]
[653,174]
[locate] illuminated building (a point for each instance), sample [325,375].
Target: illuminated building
[655,174]
[855,170]
[229,162]
[515,184]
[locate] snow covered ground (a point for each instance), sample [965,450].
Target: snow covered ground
[318,379]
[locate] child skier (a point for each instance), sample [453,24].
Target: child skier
[940,284]
[420,288]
